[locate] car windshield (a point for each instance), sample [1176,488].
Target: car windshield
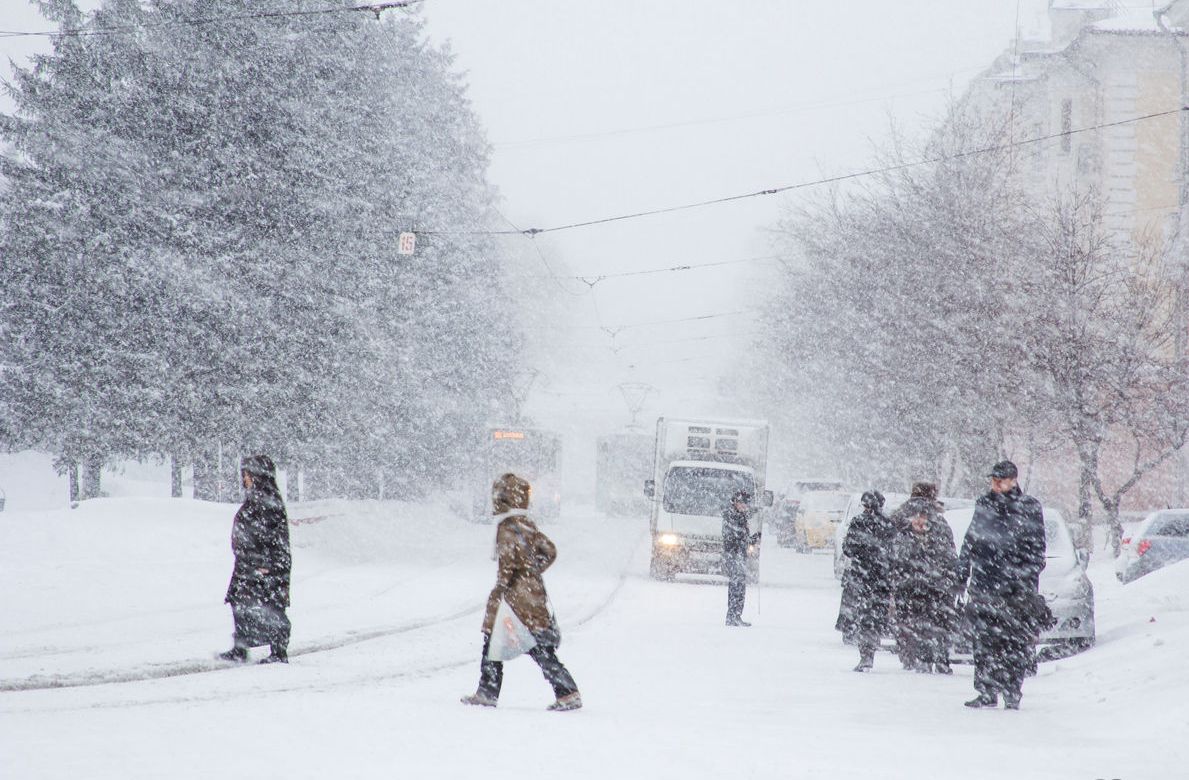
[693,490]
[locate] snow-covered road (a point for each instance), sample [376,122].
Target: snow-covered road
[387,603]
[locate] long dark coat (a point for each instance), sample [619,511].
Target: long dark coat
[923,585]
[1002,556]
[1004,548]
[735,533]
[260,541]
[866,585]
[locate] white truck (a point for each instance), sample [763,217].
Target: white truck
[697,466]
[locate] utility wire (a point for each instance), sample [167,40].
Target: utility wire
[593,136]
[591,280]
[531,232]
[375,8]
[620,328]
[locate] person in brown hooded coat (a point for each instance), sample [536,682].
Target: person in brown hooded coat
[524,553]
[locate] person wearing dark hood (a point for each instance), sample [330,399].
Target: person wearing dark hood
[524,553]
[922,571]
[866,588]
[1002,557]
[736,538]
[259,588]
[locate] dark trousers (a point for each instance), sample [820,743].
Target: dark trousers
[261,624]
[1003,652]
[491,673]
[735,566]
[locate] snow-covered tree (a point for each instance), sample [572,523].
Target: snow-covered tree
[214,193]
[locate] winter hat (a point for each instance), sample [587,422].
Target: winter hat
[924,490]
[259,466]
[509,492]
[872,499]
[1004,469]
[741,497]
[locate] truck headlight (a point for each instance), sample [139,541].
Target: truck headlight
[669,540]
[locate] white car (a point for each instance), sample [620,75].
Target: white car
[1162,538]
[1063,582]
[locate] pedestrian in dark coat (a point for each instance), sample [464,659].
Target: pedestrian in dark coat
[259,588]
[923,564]
[736,539]
[524,553]
[866,584]
[1002,557]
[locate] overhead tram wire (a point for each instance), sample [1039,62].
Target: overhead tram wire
[375,8]
[533,232]
[786,109]
[590,280]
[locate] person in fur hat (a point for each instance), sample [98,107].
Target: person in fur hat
[259,589]
[524,553]
[866,588]
[922,566]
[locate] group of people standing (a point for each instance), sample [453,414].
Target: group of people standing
[906,578]
[902,566]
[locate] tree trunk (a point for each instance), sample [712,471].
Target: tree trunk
[293,483]
[92,470]
[1116,527]
[206,476]
[175,477]
[72,477]
[1086,509]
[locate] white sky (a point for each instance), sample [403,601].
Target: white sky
[598,109]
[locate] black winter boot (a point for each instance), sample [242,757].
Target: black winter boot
[983,700]
[279,655]
[236,654]
[866,660]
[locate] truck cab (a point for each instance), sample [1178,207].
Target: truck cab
[698,467]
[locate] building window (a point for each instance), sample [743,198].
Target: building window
[1066,125]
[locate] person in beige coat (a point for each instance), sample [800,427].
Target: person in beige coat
[524,553]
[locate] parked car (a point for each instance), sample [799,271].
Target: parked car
[1063,583]
[818,515]
[1162,538]
[784,512]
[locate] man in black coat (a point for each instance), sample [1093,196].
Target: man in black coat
[866,584]
[1002,557]
[259,589]
[736,538]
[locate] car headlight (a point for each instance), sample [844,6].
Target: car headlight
[670,540]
